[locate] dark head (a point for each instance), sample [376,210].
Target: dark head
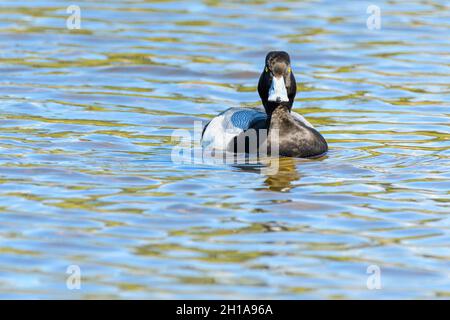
[277,84]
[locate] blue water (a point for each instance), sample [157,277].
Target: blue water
[87,178]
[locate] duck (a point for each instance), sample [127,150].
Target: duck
[273,125]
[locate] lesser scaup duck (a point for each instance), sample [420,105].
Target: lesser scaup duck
[277,88]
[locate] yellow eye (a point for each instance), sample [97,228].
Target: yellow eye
[267,70]
[289,69]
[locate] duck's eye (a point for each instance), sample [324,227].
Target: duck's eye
[289,70]
[267,69]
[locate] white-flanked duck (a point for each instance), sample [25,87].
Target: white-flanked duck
[296,137]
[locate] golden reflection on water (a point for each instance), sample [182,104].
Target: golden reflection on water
[287,174]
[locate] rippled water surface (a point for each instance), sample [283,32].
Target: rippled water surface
[86,176]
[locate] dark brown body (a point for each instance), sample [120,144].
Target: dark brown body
[295,139]
[290,136]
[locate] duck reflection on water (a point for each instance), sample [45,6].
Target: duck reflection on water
[280,173]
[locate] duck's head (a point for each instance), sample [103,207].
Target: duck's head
[277,84]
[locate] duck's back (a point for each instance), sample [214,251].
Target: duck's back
[222,129]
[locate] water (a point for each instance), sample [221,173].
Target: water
[86,176]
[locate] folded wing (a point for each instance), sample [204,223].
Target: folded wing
[221,130]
